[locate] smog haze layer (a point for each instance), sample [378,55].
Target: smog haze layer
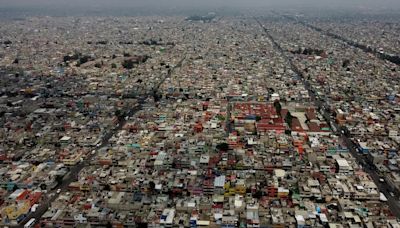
[22,8]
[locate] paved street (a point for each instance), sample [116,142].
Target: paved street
[393,201]
[165,120]
[74,170]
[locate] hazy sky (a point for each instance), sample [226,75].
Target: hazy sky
[197,2]
[159,5]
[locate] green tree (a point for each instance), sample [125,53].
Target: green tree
[59,179]
[119,114]
[289,119]
[223,146]
[15,188]
[84,59]
[152,185]
[128,64]
[43,186]
[107,187]
[278,107]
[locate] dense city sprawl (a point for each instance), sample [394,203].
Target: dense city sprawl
[264,121]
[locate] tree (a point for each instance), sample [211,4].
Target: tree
[84,59]
[220,117]
[118,113]
[345,63]
[152,185]
[278,107]
[43,186]
[127,64]
[107,187]
[102,42]
[258,194]
[59,179]
[288,119]
[15,188]
[223,146]
[113,65]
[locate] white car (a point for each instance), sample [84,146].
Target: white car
[34,207]
[58,191]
